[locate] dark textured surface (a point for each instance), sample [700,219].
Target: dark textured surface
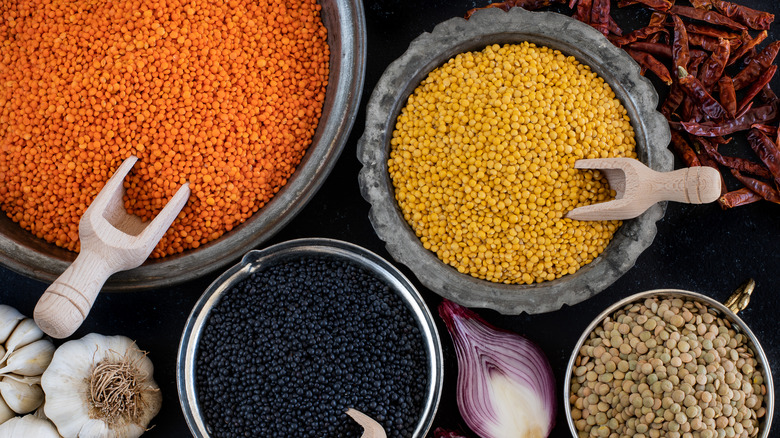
[698,248]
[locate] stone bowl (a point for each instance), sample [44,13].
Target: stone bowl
[345,21]
[486,27]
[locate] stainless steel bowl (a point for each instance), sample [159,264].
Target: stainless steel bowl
[738,301]
[486,27]
[254,260]
[345,22]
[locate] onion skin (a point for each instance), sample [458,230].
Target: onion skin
[496,365]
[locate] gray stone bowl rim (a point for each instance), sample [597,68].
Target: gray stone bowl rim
[28,255]
[486,27]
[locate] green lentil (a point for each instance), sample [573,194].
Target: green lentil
[702,379]
[482,160]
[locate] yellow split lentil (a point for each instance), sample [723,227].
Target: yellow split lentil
[482,162]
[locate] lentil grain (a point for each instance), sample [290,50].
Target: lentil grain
[482,158]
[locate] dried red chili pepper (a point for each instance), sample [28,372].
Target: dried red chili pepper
[747,45]
[655,49]
[710,17]
[672,101]
[680,53]
[613,27]
[766,129]
[756,87]
[703,100]
[752,18]
[740,164]
[728,97]
[756,65]
[659,5]
[766,113]
[759,187]
[599,16]
[710,31]
[583,11]
[648,61]
[767,95]
[690,111]
[684,150]
[712,68]
[530,5]
[735,198]
[705,42]
[637,35]
[766,150]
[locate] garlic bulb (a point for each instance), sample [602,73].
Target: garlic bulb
[100,386]
[28,426]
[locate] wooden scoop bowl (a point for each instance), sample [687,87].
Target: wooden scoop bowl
[371,429]
[111,241]
[637,187]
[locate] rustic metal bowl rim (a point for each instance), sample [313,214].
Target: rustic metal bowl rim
[724,311]
[20,251]
[485,27]
[256,259]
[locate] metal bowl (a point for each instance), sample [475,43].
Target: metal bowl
[254,260]
[429,51]
[345,22]
[738,301]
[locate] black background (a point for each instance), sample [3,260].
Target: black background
[699,248]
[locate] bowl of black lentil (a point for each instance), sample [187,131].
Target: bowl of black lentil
[670,363]
[468,159]
[284,342]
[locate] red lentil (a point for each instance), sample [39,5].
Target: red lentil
[223,94]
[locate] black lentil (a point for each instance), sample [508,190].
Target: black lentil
[286,351]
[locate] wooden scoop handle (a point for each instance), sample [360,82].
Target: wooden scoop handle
[67,302]
[691,185]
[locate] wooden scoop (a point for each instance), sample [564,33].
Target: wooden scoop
[371,429]
[638,187]
[111,241]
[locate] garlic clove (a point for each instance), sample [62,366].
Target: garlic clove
[30,360]
[28,426]
[29,380]
[25,333]
[5,412]
[9,318]
[21,397]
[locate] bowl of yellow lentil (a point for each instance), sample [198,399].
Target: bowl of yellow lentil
[670,363]
[468,159]
[251,102]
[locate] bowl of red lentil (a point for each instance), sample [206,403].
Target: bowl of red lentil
[676,363]
[468,152]
[250,102]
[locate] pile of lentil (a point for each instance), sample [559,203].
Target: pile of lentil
[286,351]
[667,368]
[223,94]
[482,159]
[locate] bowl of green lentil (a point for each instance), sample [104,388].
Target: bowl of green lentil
[284,342]
[468,153]
[669,363]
